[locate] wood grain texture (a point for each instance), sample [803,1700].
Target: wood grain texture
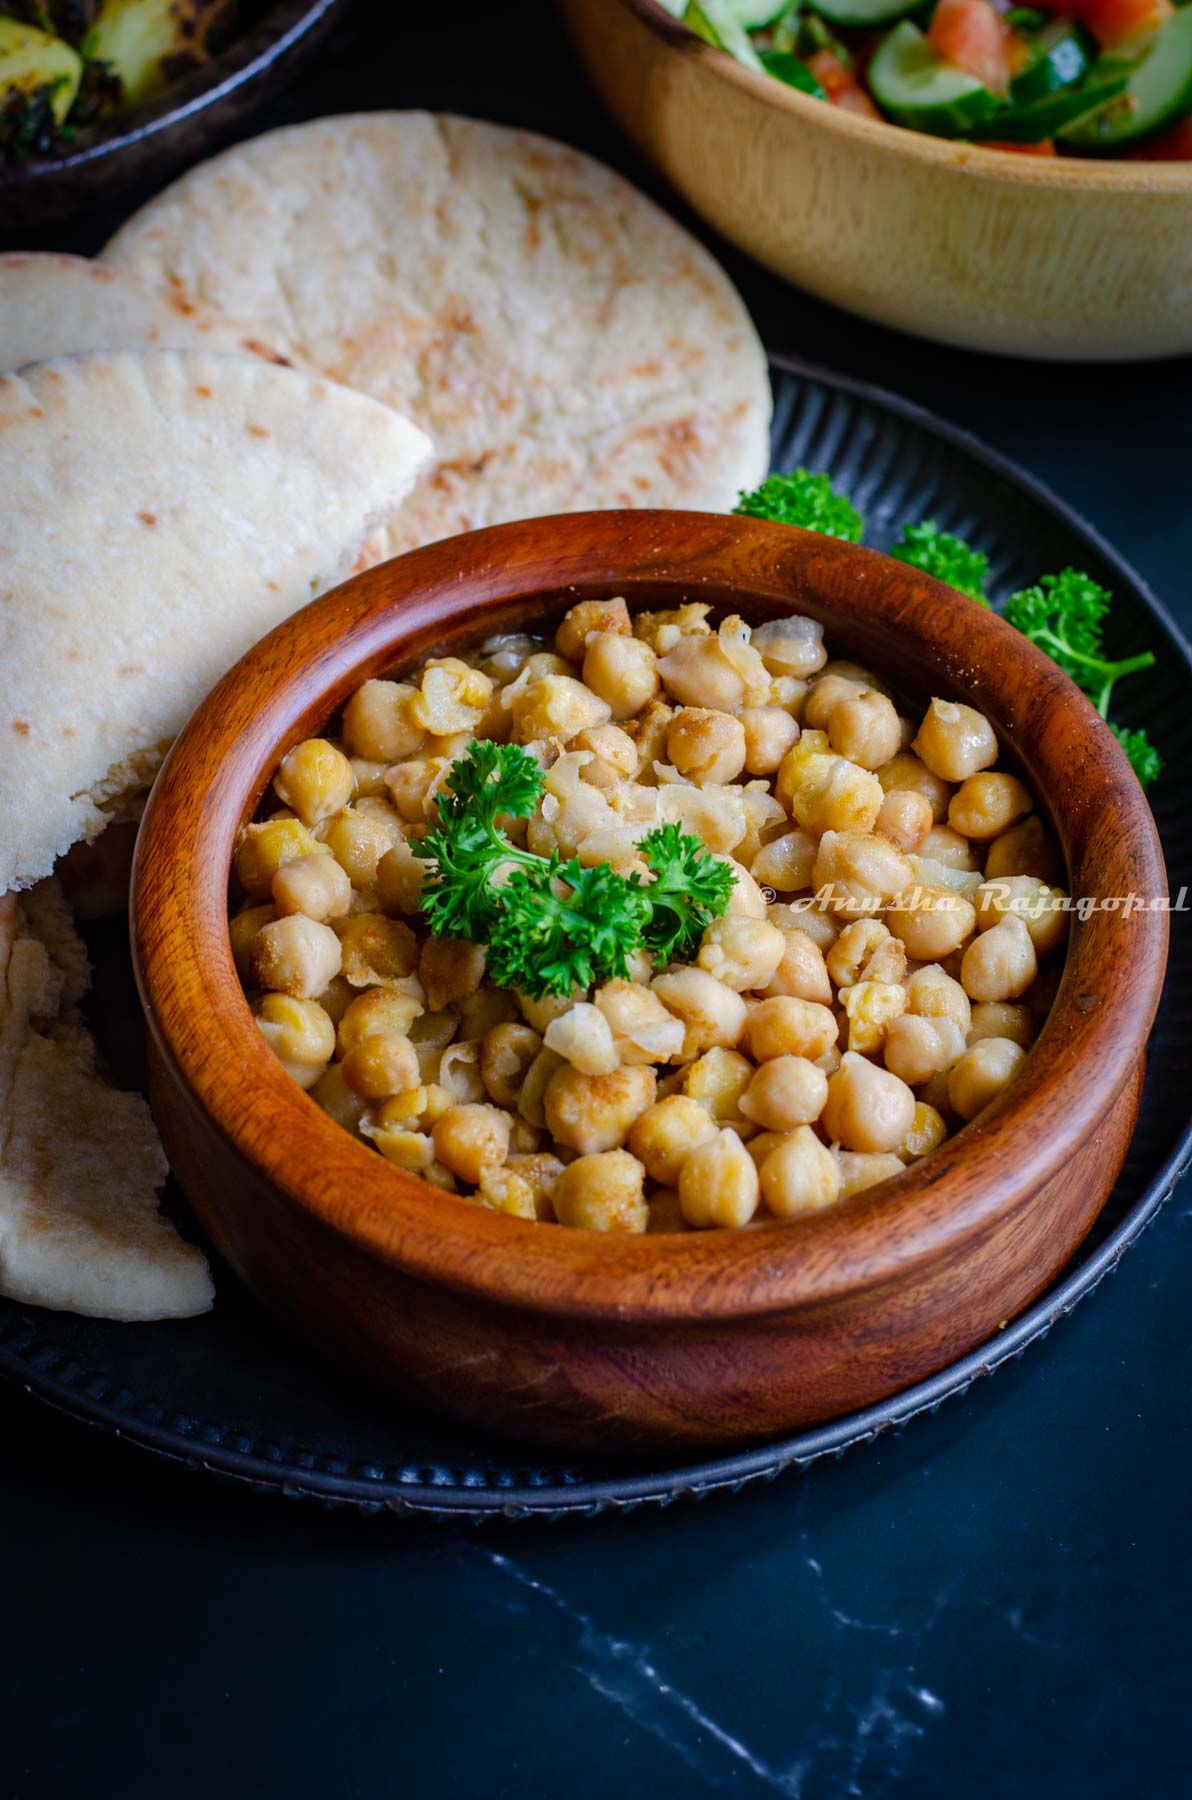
[1058,258]
[703,1338]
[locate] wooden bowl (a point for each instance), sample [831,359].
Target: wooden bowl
[678,1341]
[1059,258]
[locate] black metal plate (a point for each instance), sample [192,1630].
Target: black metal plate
[234,1394]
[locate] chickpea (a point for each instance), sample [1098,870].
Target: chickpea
[602,1192]
[718,1183]
[799,1175]
[715,814]
[505,1055]
[986,805]
[787,862]
[791,646]
[459,1073]
[769,733]
[243,930]
[981,1074]
[905,818]
[643,1030]
[863,871]
[400,875]
[933,994]
[648,732]
[1002,1019]
[814,921]
[742,953]
[711,1013]
[622,672]
[928,1131]
[1025,849]
[315,886]
[888,963]
[867,1108]
[864,727]
[861,1169]
[299,1033]
[480,1012]
[315,780]
[614,757]
[826,694]
[296,956]
[531,1102]
[786,1026]
[667,1133]
[785,1092]
[449,970]
[376,950]
[717,1080]
[413,785]
[706,746]
[381,1065]
[580,621]
[410,1151]
[503,1190]
[849,957]
[377,722]
[1000,964]
[262,849]
[450,697]
[696,672]
[541,1171]
[556,708]
[789,695]
[872,1007]
[917,1049]
[905,773]
[1041,909]
[955,741]
[828,793]
[337,1100]
[590,1113]
[939,922]
[379,1010]
[943,845]
[358,839]
[470,1139]
[583,1036]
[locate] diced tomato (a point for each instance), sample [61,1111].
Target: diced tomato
[1046,148]
[1174,146]
[1114,22]
[972,35]
[841,85]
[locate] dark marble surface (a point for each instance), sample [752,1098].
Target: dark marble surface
[995,1603]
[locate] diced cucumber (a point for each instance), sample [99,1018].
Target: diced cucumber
[714,21]
[1157,94]
[785,35]
[796,74]
[815,34]
[755,15]
[32,61]
[1046,117]
[916,89]
[864,14]
[1059,55]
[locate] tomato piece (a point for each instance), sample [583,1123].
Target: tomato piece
[841,85]
[1114,22]
[1045,148]
[1174,145]
[972,35]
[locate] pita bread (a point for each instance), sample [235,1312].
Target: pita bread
[162,510]
[80,1164]
[59,305]
[561,339]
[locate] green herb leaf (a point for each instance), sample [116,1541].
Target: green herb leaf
[1064,614]
[947,557]
[806,499]
[690,889]
[1141,754]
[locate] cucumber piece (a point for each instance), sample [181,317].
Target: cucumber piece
[755,15]
[1156,95]
[785,35]
[815,35]
[1047,117]
[1060,54]
[915,88]
[714,21]
[796,74]
[864,14]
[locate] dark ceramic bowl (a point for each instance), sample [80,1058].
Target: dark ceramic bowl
[149,143]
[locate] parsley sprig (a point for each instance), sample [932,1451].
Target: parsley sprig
[805,499]
[550,925]
[946,556]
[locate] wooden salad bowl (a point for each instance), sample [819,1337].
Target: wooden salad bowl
[1062,258]
[659,1341]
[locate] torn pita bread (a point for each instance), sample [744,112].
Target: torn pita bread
[162,511]
[53,305]
[563,341]
[80,1163]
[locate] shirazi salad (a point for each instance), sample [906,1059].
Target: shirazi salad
[1089,78]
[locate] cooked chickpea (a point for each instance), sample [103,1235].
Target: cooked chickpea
[955,741]
[718,1183]
[1003,1019]
[786,1026]
[791,646]
[358,839]
[1041,908]
[928,1131]
[849,957]
[531,1101]
[381,1065]
[471,1138]
[981,1074]
[770,732]
[622,672]
[584,1037]
[917,1048]
[315,780]
[299,1033]
[861,870]
[243,929]
[375,949]
[711,1012]
[786,863]
[905,818]
[295,955]
[905,773]
[943,845]
[262,849]
[717,1080]
[742,953]
[643,1030]
[378,1010]
[706,746]
[614,757]
[503,1190]
[696,672]
[800,973]
[785,1092]
[867,1108]
[400,875]
[861,1169]
[826,694]
[505,1055]
[332,1093]
[602,1192]
[864,727]
[315,886]
[588,616]
[413,785]
[987,804]
[1025,849]
[938,922]
[824,792]
[872,1007]
[799,1175]
[449,971]
[378,725]
[541,1171]
[666,1134]
[934,994]
[999,964]
[590,1113]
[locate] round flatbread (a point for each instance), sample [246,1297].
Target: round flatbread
[162,510]
[563,341]
[54,305]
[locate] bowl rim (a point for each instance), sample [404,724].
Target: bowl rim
[282,25]
[289,685]
[1104,174]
